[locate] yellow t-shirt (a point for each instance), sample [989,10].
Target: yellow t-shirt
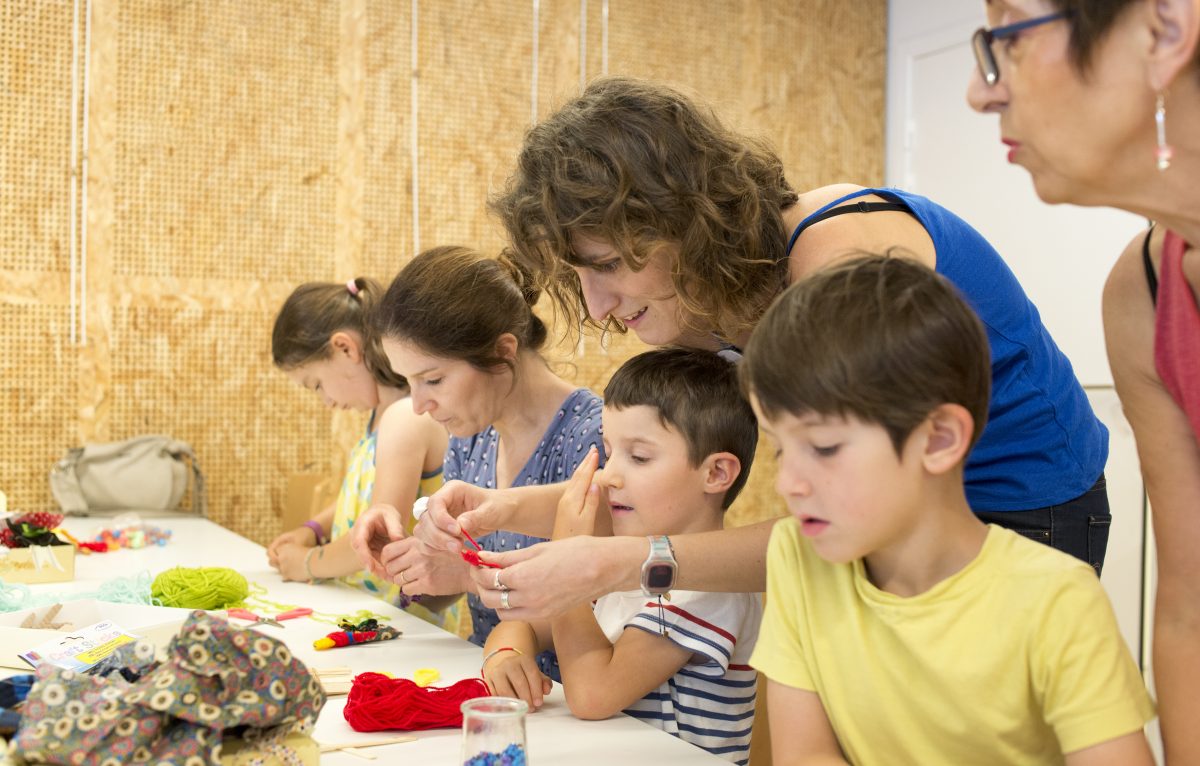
[1015,659]
[355,498]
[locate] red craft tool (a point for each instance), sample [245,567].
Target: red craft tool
[246,614]
[470,539]
[472,556]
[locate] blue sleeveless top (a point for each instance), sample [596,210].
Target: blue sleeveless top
[1042,445]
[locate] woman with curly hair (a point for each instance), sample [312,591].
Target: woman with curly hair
[639,210]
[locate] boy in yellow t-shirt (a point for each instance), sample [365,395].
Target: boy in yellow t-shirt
[899,628]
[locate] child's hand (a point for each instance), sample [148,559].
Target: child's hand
[577,507]
[516,675]
[302,536]
[289,560]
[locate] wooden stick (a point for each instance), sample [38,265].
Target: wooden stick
[327,747]
[354,751]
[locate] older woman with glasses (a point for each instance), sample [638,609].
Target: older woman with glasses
[1100,101]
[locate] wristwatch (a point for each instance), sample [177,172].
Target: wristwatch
[658,570]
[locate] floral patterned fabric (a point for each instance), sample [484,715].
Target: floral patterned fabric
[218,681]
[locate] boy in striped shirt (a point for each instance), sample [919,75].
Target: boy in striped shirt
[680,440]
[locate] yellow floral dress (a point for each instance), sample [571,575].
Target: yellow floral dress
[353,499]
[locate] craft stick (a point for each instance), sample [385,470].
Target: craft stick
[331,747]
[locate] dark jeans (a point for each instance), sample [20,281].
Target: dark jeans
[1078,527]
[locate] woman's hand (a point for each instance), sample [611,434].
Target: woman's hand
[457,506]
[289,560]
[419,572]
[545,580]
[517,675]
[375,530]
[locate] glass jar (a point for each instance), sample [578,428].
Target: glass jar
[494,732]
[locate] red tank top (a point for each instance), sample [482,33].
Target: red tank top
[1177,332]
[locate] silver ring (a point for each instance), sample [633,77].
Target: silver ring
[504,600]
[496,584]
[402,577]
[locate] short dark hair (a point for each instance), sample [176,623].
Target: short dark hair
[697,394]
[883,339]
[1090,21]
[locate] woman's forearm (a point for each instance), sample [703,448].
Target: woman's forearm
[730,560]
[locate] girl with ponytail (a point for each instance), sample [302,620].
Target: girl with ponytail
[323,341]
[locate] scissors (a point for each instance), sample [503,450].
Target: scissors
[245,614]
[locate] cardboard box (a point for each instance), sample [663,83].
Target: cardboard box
[40,563]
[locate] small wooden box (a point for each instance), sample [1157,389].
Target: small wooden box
[42,563]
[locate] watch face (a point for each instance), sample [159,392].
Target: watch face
[660,577]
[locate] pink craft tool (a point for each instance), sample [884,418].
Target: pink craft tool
[246,614]
[292,614]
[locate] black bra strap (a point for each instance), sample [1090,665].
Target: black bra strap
[1151,277]
[854,207]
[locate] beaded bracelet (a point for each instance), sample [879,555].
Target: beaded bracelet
[494,652]
[308,562]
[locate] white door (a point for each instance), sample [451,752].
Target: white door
[938,147]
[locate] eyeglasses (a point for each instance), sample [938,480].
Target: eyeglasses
[981,43]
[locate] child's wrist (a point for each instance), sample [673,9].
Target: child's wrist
[494,652]
[308,562]
[317,530]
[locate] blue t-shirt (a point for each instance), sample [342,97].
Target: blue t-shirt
[575,428]
[1043,445]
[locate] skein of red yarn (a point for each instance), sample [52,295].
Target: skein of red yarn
[379,703]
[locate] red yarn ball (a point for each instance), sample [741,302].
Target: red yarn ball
[379,703]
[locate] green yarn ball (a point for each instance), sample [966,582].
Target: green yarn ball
[200,588]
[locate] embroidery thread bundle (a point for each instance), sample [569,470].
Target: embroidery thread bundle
[366,632]
[200,588]
[379,703]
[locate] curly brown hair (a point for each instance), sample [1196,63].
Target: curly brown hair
[638,164]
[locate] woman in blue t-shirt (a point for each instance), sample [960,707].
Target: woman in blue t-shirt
[639,210]
[460,328]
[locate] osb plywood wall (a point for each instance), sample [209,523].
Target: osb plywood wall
[229,150]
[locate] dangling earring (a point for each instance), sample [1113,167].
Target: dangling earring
[1163,152]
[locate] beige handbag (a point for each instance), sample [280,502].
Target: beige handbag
[145,473]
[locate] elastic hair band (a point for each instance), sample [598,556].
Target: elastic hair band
[352,287]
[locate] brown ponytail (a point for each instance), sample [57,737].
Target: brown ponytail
[315,311]
[454,302]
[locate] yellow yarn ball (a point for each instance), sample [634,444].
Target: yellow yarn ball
[200,588]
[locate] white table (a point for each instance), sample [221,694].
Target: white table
[553,735]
